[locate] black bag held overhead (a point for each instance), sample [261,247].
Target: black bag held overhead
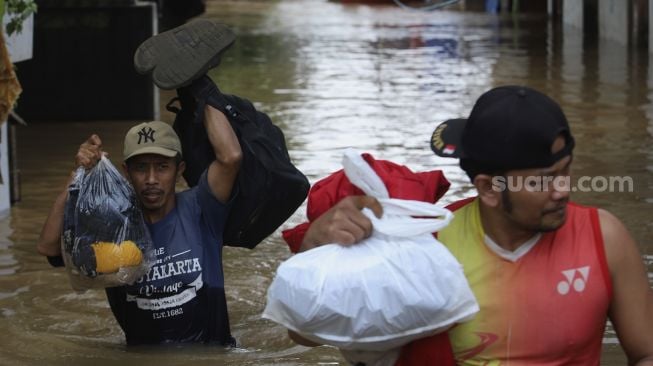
[270,187]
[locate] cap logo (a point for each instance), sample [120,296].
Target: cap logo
[449,149]
[436,138]
[145,134]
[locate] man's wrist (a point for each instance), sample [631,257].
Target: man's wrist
[306,245]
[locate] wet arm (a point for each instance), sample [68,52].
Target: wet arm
[228,154]
[631,309]
[301,340]
[49,240]
[89,153]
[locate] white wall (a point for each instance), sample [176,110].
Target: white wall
[4,172]
[650,26]
[155,30]
[19,47]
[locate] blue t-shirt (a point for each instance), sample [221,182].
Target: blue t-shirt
[181,298]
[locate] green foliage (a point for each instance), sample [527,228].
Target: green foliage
[18,11]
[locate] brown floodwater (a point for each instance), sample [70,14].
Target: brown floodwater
[377,78]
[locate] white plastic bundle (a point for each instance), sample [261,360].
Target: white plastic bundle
[398,285]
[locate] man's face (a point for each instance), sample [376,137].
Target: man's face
[537,198]
[153,177]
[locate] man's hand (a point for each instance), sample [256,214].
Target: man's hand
[344,223]
[89,152]
[301,340]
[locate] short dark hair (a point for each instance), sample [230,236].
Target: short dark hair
[474,168]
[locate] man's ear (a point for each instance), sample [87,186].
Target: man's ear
[489,188]
[125,170]
[181,167]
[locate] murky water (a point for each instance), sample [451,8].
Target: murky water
[331,75]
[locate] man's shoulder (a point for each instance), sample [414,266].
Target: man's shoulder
[187,200]
[611,226]
[454,206]
[191,193]
[580,214]
[199,199]
[579,206]
[465,221]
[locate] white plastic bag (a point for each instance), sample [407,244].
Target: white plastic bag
[398,285]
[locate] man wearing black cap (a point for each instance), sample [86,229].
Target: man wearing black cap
[547,272]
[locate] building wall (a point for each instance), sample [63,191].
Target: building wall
[650,28]
[19,47]
[5,201]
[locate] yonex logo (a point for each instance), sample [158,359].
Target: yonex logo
[572,280]
[145,134]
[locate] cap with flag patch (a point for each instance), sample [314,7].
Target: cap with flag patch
[509,127]
[445,140]
[154,137]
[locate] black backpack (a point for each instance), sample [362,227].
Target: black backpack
[270,187]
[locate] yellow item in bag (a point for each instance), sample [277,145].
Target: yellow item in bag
[110,257]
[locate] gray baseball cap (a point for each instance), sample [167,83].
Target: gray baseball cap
[153,137]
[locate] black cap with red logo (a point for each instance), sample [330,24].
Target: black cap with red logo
[510,127]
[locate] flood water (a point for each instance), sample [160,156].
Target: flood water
[377,78]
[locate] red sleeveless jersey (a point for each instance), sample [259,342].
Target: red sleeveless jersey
[545,305]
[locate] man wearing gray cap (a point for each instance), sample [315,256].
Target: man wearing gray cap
[181,298]
[547,272]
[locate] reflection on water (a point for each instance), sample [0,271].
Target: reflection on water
[333,76]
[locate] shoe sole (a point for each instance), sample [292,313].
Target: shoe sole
[178,56]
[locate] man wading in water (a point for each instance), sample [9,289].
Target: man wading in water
[182,298]
[547,272]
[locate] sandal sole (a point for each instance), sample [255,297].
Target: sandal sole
[180,55]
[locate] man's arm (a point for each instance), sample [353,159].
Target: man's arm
[301,340]
[49,240]
[88,155]
[631,310]
[223,170]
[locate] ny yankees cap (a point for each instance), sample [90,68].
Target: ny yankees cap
[154,137]
[509,127]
